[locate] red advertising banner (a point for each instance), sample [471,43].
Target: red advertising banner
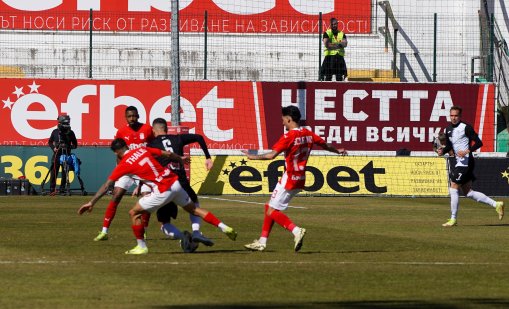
[384,116]
[223,112]
[247,115]
[235,16]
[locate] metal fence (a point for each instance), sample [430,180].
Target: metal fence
[400,42]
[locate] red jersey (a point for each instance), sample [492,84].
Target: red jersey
[135,139]
[297,145]
[140,164]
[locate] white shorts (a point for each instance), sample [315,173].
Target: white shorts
[125,182]
[281,197]
[145,189]
[155,200]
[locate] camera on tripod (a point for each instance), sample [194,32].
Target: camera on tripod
[61,141]
[64,128]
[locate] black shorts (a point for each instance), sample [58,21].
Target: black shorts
[461,174]
[334,65]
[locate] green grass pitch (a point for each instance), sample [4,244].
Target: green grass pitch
[359,252]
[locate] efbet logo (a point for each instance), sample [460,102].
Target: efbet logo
[245,178]
[92,110]
[27,104]
[19,101]
[20,95]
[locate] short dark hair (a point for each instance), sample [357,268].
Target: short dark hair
[131,109]
[159,121]
[162,122]
[457,108]
[292,111]
[117,144]
[333,20]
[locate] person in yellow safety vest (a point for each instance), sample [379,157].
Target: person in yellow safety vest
[334,62]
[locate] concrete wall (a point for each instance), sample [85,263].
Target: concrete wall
[261,57]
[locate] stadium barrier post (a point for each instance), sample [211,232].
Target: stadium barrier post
[320,30]
[491,60]
[435,47]
[394,54]
[90,45]
[206,31]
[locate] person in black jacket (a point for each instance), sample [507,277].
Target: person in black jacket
[61,141]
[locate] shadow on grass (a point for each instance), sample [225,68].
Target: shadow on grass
[452,304]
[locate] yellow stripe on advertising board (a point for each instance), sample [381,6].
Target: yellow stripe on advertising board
[331,175]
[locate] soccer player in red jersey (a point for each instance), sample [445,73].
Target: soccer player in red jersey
[140,164]
[296,145]
[136,135]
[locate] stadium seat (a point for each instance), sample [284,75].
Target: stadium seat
[371,75]
[11,71]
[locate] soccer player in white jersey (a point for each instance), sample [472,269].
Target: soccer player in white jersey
[297,145]
[463,141]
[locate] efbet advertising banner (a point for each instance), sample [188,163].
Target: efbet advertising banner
[329,175]
[237,115]
[224,16]
[223,112]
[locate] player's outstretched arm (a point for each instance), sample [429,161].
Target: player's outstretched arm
[340,151]
[265,156]
[197,138]
[208,164]
[102,191]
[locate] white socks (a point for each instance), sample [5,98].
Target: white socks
[296,231]
[481,197]
[454,202]
[141,243]
[475,195]
[222,226]
[195,220]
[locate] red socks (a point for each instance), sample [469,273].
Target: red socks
[210,218]
[282,220]
[139,231]
[111,210]
[145,218]
[268,223]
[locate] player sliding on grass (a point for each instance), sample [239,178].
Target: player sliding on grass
[463,141]
[297,145]
[141,164]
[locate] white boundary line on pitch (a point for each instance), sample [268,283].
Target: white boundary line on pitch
[258,262]
[240,201]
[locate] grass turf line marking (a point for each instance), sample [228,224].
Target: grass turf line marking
[414,263]
[240,201]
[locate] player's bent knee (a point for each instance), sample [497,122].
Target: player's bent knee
[191,208]
[137,210]
[118,193]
